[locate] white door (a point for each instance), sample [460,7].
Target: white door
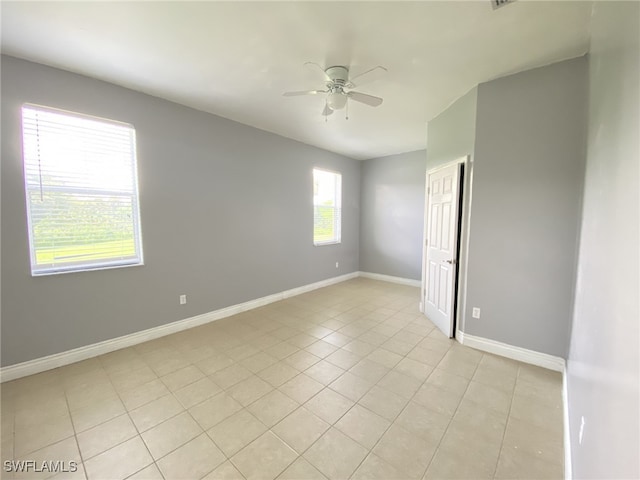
[441,246]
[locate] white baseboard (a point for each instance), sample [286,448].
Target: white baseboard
[56,360]
[568,473]
[391,279]
[516,353]
[534,358]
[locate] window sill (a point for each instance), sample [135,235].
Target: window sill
[46,273]
[322,244]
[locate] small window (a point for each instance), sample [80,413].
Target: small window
[81,191]
[327,207]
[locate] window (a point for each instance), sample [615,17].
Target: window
[81,191]
[327,207]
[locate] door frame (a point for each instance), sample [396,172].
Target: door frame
[463,239]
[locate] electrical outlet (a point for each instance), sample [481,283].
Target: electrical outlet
[475,312]
[337,264]
[183,299]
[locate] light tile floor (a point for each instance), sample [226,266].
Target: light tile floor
[349,381]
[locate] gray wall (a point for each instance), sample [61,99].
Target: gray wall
[452,134]
[225,209]
[392,214]
[603,363]
[527,190]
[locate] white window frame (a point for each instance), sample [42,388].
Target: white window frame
[41,187]
[337,200]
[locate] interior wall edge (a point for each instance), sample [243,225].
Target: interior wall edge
[566,430]
[392,279]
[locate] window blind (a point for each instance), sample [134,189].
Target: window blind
[327,207]
[81,191]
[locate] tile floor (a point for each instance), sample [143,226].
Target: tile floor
[345,382]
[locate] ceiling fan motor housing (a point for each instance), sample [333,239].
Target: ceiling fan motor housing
[338,74]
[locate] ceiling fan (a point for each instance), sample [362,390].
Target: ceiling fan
[338,87]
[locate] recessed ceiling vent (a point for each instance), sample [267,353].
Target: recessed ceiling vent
[500,3]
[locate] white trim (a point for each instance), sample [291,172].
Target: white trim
[391,279]
[460,160]
[534,358]
[568,473]
[465,236]
[56,360]
[463,229]
[516,353]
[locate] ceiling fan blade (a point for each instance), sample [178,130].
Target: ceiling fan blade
[315,66]
[305,92]
[370,75]
[327,111]
[364,98]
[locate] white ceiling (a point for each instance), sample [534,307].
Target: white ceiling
[235,59]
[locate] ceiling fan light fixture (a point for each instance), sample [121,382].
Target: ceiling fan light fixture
[336,100]
[338,88]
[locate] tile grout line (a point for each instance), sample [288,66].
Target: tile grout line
[48,444]
[392,422]
[186,410]
[134,426]
[435,452]
[245,408]
[506,425]
[75,433]
[352,321]
[139,434]
[269,429]
[332,425]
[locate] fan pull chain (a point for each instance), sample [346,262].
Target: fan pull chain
[347,111]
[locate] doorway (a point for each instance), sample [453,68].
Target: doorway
[445,206]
